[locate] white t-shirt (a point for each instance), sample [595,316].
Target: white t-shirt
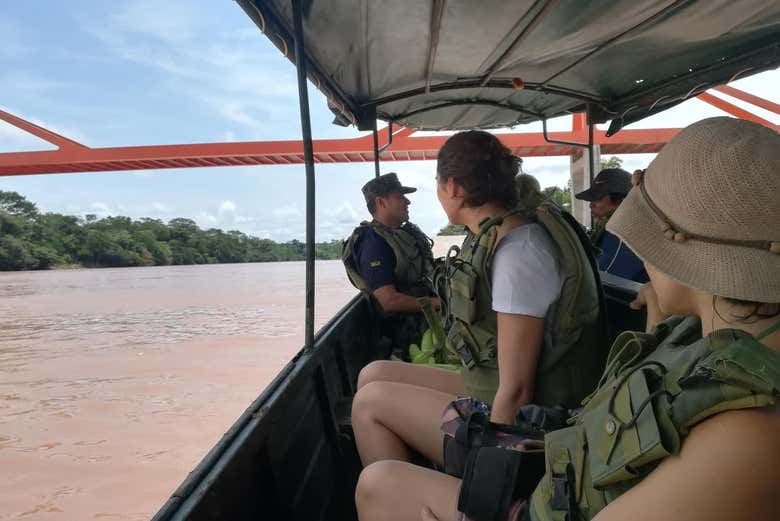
[526,275]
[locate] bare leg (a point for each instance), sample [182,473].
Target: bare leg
[450,382]
[391,418]
[397,491]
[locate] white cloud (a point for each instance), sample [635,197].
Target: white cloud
[343,213]
[288,211]
[13,139]
[237,113]
[100,209]
[161,207]
[216,71]
[170,21]
[227,207]
[206,220]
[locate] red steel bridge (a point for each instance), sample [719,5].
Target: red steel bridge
[71,157]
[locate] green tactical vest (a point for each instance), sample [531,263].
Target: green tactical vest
[655,388]
[569,368]
[413,257]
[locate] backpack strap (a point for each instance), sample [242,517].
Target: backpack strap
[768,331]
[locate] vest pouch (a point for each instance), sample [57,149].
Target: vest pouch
[457,344]
[472,345]
[463,297]
[623,439]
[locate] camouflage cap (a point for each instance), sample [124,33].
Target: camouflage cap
[383,185]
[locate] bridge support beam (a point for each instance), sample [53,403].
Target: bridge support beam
[579,180]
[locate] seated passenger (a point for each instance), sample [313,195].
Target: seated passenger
[502,290]
[390,260]
[682,427]
[610,187]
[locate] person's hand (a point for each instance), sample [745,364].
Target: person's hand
[647,298]
[645,293]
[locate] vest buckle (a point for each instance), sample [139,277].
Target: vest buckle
[466,356]
[563,493]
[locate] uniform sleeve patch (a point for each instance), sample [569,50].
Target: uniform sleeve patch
[375,264]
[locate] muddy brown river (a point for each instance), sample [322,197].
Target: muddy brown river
[115,382]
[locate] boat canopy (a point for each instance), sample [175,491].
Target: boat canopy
[462,64]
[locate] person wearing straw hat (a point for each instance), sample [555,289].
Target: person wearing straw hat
[685,422]
[609,188]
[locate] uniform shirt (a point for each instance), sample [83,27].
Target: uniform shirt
[616,257]
[374,259]
[526,275]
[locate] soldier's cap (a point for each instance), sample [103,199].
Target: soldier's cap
[608,181]
[383,185]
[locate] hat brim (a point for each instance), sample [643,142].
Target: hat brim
[407,190]
[591,194]
[720,269]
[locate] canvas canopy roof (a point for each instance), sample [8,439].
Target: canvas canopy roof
[456,64]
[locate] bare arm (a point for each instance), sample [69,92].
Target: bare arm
[519,345]
[393,301]
[729,468]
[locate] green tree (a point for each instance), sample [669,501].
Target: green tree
[32,240]
[558,195]
[611,162]
[18,205]
[157,227]
[453,229]
[10,224]
[162,254]
[15,254]
[45,257]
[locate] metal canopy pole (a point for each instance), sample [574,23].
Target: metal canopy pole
[308,155]
[588,146]
[591,156]
[560,141]
[376,150]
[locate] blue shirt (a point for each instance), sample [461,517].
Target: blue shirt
[374,259]
[618,259]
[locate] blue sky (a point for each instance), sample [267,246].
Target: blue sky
[138,72]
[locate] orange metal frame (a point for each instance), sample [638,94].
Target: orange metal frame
[71,157]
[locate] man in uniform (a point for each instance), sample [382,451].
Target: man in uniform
[609,188]
[389,257]
[390,260]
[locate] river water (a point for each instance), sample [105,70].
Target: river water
[115,382]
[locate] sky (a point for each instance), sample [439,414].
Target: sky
[145,72]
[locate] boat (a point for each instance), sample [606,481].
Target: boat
[445,66]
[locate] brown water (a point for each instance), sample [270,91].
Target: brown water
[115,382]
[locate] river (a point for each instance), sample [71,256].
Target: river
[115,382]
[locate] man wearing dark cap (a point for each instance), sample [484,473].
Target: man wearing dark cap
[609,188]
[390,258]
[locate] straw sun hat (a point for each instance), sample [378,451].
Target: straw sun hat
[707,210]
